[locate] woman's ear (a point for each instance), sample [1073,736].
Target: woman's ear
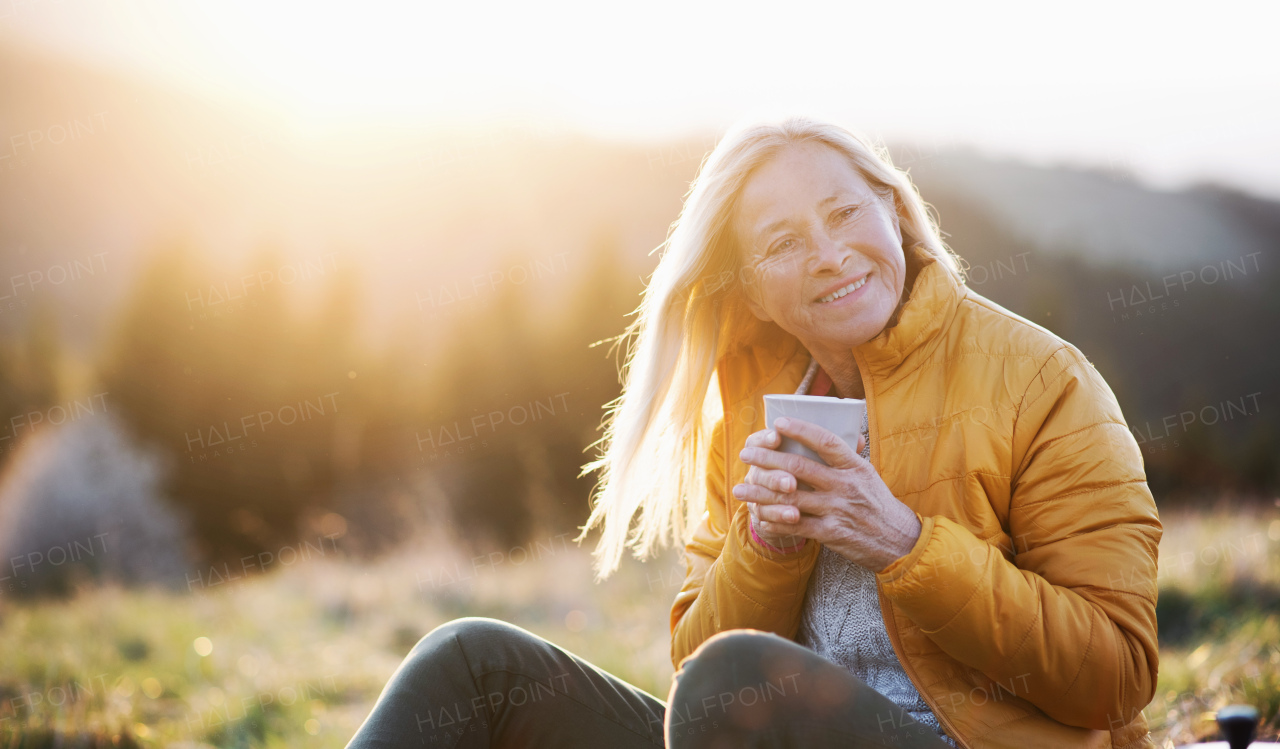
[756,309]
[749,276]
[749,292]
[895,209]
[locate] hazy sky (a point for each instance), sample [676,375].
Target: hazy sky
[1174,93]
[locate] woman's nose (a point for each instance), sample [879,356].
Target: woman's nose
[829,254]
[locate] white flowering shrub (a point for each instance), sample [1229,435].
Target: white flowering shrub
[81,502]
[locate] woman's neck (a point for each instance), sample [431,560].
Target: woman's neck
[843,371]
[840,365]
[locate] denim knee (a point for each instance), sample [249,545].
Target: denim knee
[727,658]
[732,683]
[474,634]
[732,646]
[469,628]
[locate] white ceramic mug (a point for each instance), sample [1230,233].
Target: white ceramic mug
[842,416]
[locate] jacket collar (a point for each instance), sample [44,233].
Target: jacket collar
[751,353]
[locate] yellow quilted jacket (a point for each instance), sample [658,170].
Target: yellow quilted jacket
[1025,613]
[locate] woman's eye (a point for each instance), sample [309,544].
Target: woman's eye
[784,245]
[846,213]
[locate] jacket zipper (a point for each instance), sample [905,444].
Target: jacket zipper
[911,672]
[886,611]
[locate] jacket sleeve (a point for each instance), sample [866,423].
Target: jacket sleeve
[1070,621]
[732,582]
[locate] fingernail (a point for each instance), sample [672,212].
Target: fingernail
[771,436]
[737,490]
[782,422]
[788,485]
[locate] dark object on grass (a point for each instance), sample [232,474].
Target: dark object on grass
[1239,725]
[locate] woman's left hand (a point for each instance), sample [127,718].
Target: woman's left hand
[850,508]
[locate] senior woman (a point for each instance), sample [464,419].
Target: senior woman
[978,571]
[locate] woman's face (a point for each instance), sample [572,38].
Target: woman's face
[826,251]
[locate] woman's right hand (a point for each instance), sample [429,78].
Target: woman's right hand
[779,481]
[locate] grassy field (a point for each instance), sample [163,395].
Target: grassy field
[1219,614]
[296,657]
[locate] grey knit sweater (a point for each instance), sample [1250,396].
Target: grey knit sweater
[841,620]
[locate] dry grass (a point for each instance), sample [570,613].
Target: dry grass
[1220,607]
[298,656]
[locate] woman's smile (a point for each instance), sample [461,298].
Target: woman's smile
[846,293]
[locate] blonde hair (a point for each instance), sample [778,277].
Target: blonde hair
[656,434]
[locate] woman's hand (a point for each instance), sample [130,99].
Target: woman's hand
[850,509]
[781,483]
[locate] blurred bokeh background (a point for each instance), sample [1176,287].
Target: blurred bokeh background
[305,317]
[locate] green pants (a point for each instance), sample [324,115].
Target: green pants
[482,683]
